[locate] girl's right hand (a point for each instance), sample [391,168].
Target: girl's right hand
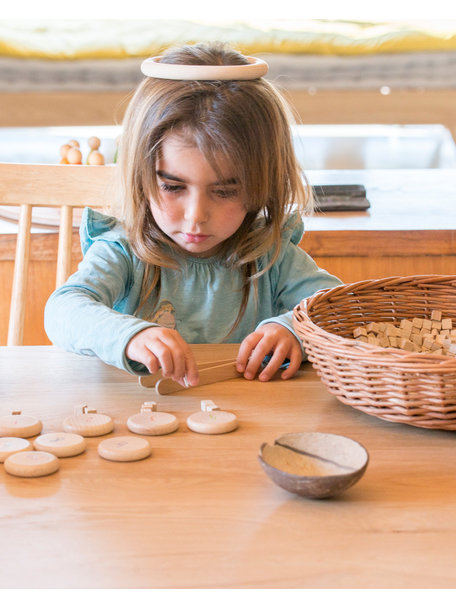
[165,349]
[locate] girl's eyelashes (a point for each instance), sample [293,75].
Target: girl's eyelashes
[227,193]
[223,193]
[170,187]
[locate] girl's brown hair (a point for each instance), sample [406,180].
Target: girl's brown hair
[247,123]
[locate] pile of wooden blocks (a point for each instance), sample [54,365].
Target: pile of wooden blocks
[434,335]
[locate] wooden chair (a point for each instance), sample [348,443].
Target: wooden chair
[63,186]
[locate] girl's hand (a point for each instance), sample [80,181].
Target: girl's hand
[273,339]
[160,347]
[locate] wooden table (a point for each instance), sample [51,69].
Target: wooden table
[409,229]
[200,512]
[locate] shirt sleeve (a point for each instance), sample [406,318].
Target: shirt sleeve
[295,276]
[92,313]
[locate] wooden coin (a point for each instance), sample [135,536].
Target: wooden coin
[212,422]
[17,424]
[124,448]
[62,445]
[11,445]
[152,423]
[88,424]
[31,464]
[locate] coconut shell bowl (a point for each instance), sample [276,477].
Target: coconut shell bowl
[314,465]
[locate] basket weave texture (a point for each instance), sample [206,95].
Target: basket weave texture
[412,388]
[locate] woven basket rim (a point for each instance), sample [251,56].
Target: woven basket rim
[369,352]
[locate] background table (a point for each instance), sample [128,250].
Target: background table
[200,512]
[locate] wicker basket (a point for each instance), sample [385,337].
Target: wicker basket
[413,388]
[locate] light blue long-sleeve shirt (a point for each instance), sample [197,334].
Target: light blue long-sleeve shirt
[93,313]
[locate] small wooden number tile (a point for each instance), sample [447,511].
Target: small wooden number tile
[11,445]
[31,464]
[124,448]
[151,422]
[88,423]
[61,445]
[18,424]
[211,420]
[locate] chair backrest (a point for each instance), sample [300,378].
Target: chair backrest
[59,186]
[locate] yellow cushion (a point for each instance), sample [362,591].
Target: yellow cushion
[58,40]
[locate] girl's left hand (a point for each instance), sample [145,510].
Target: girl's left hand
[269,339]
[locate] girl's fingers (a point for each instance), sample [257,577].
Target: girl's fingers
[165,358]
[191,369]
[184,368]
[295,363]
[264,347]
[149,360]
[278,357]
[245,352]
[270,340]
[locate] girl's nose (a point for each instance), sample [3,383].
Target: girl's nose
[196,208]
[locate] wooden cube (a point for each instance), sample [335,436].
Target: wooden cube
[428,343]
[427,324]
[359,331]
[447,324]
[436,315]
[406,345]
[417,339]
[372,327]
[406,324]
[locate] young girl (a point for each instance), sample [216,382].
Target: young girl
[204,247]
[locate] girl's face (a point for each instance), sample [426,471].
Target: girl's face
[197,210]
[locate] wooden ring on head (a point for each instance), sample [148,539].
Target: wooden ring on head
[154,68]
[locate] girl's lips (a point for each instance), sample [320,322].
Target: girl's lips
[195,238]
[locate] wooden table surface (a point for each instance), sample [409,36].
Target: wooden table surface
[200,512]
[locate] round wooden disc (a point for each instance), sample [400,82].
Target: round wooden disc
[31,464]
[88,425]
[11,445]
[61,445]
[212,422]
[152,423]
[124,448]
[19,425]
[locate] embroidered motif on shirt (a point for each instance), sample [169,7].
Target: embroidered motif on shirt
[165,315]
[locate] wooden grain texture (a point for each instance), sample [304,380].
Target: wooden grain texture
[207,375]
[63,186]
[56,108]
[200,512]
[20,278]
[65,245]
[55,185]
[151,380]
[406,106]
